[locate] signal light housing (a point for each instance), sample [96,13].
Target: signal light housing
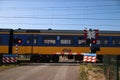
[19,41]
[94,49]
[94,41]
[88,41]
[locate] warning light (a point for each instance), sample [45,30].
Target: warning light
[19,41]
[94,41]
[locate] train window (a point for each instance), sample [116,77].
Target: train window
[28,41]
[35,41]
[119,43]
[48,41]
[81,41]
[65,41]
[31,39]
[104,41]
[98,42]
[115,41]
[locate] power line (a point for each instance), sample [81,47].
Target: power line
[62,0]
[66,24]
[65,7]
[73,18]
[95,7]
[60,9]
[87,13]
[59,15]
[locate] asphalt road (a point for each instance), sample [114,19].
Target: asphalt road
[42,71]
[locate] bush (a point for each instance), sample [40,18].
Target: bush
[91,72]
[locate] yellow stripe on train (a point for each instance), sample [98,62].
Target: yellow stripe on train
[51,50]
[3,49]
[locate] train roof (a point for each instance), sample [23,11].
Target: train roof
[56,31]
[5,30]
[63,31]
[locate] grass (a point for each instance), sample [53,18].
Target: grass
[8,66]
[91,72]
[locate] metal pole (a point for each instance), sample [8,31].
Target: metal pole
[90,47]
[90,40]
[117,71]
[1,57]
[16,49]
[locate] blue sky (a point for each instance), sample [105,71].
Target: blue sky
[60,14]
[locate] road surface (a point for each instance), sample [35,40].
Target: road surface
[42,71]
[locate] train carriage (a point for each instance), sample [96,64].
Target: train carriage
[48,45]
[5,41]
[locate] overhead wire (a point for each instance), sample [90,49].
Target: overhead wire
[68,7]
[54,9]
[59,18]
[67,24]
[95,7]
[62,0]
[72,18]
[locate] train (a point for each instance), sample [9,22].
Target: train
[49,45]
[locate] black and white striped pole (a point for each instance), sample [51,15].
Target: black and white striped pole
[16,49]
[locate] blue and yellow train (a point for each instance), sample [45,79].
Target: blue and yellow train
[48,45]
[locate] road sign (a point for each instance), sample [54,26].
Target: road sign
[90,34]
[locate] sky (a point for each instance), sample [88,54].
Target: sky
[60,14]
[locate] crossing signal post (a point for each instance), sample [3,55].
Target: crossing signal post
[17,41]
[91,40]
[94,49]
[94,41]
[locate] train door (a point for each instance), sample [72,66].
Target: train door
[32,42]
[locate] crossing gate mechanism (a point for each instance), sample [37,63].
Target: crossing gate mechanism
[10,58]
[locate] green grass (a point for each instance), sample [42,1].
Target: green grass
[91,72]
[8,66]
[83,73]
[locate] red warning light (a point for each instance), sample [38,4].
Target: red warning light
[94,41]
[19,41]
